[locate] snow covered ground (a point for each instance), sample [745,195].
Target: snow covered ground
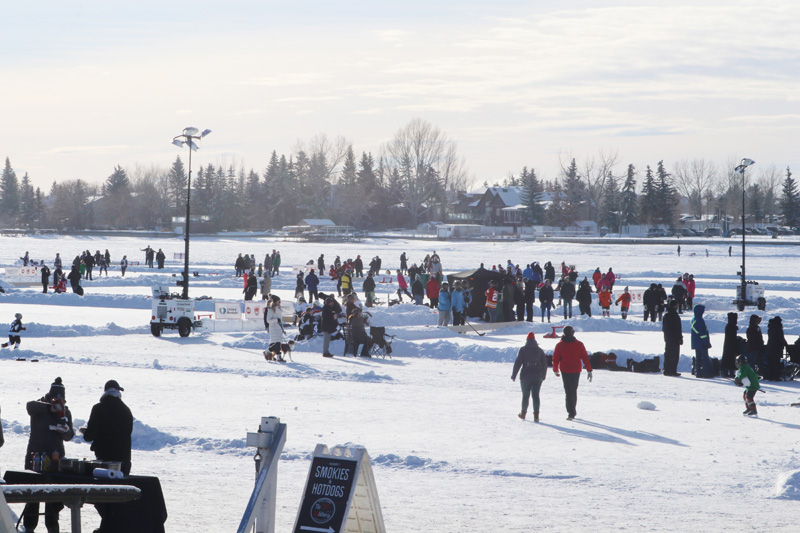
[439,419]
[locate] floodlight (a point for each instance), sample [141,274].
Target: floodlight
[205,132]
[747,162]
[178,143]
[192,145]
[190,131]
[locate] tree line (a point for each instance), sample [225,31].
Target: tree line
[416,177]
[596,190]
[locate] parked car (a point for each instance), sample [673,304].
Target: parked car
[712,232]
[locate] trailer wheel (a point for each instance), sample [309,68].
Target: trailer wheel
[184,326]
[155,329]
[762,304]
[740,305]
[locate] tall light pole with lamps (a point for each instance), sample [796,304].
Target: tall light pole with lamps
[743,295]
[187,138]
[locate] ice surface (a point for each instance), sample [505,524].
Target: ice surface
[440,418]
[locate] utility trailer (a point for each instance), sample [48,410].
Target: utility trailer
[170,311]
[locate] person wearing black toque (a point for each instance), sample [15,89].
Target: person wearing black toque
[51,425]
[110,426]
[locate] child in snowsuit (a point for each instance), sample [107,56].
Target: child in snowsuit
[605,301]
[748,378]
[625,298]
[13,332]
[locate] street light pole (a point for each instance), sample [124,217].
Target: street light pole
[187,138]
[743,295]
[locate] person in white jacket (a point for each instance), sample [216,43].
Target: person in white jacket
[272,321]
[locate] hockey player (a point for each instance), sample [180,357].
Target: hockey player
[14,331]
[604,296]
[748,378]
[625,298]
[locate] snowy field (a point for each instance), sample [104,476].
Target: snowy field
[439,420]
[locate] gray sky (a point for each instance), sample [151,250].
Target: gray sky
[87,85]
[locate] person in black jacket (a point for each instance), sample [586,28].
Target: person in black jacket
[567,293]
[584,297]
[45,276]
[754,349]
[251,288]
[529,298]
[110,426]
[549,272]
[369,289]
[650,301]
[14,331]
[519,301]
[776,342]
[662,300]
[679,294]
[546,299]
[74,278]
[358,264]
[160,257]
[329,324]
[730,347]
[51,425]
[533,365]
[673,339]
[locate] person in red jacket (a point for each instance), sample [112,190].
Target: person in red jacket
[570,358]
[432,290]
[625,298]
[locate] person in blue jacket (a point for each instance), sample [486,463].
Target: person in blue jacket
[457,304]
[444,305]
[701,343]
[312,282]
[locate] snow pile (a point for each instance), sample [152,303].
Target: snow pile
[647,406]
[788,486]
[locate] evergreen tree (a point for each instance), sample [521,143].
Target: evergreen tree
[556,213]
[9,193]
[27,211]
[648,201]
[610,213]
[177,187]
[666,197]
[629,201]
[117,192]
[531,196]
[38,207]
[574,190]
[790,201]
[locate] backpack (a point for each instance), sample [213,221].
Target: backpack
[651,364]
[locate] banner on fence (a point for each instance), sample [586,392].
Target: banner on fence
[227,311]
[254,310]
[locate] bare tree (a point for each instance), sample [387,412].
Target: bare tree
[428,165]
[770,181]
[694,180]
[595,171]
[153,205]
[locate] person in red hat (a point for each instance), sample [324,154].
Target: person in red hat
[570,358]
[531,365]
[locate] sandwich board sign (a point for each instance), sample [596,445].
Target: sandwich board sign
[340,494]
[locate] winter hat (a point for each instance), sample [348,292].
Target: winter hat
[112,384]
[18,315]
[569,332]
[531,336]
[57,389]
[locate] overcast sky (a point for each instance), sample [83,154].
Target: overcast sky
[87,85]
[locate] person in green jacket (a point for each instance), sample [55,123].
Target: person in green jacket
[748,378]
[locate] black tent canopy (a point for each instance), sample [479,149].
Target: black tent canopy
[478,282]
